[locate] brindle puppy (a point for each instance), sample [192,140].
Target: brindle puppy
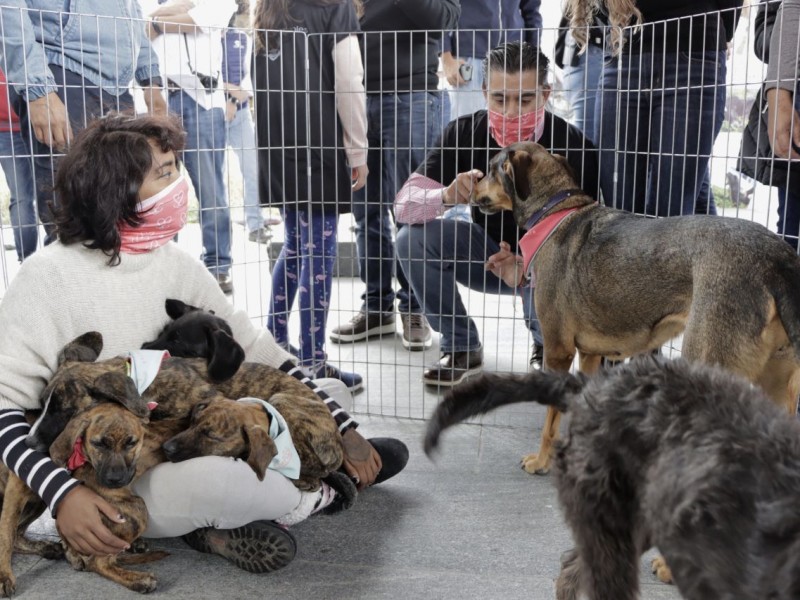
[609,283]
[241,430]
[688,458]
[111,439]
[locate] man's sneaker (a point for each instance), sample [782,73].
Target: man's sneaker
[416,331]
[262,235]
[353,381]
[454,367]
[258,547]
[364,325]
[537,358]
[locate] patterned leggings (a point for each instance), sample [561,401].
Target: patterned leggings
[305,265]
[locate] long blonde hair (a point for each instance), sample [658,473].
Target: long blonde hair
[621,14]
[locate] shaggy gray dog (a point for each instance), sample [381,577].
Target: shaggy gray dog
[687,458]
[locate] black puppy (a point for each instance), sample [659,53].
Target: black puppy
[197,333]
[688,458]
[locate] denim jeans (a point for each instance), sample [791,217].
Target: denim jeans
[204,158]
[437,255]
[242,140]
[401,130]
[84,101]
[17,164]
[788,201]
[656,122]
[582,87]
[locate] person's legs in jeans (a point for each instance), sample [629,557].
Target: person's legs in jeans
[242,140]
[16,162]
[789,214]
[204,158]
[687,99]
[621,124]
[437,255]
[285,278]
[402,127]
[582,86]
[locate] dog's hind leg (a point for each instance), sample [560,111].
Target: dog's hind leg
[589,363]
[568,584]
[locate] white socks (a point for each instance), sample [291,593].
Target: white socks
[310,503]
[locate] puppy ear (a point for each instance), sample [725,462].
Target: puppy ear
[517,169]
[84,348]
[118,387]
[225,355]
[262,449]
[176,308]
[61,448]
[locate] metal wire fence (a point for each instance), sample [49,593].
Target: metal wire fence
[296,111]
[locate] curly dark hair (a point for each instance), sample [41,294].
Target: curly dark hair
[97,183]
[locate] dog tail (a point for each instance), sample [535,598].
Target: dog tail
[786,291]
[490,391]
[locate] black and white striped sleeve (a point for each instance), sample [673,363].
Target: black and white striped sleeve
[343,420]
[35,468]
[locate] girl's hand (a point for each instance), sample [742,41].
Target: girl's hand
[80,526]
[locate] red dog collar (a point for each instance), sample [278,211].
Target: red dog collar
[536,236]
[77,459]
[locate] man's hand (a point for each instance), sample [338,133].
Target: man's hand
[451,66]
[79,524]
[50,122]
[506,265]
[460,191]
[358,175]
[170,9]
[783,123]
[361,461]
[154,99]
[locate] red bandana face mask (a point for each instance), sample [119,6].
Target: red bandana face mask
[527,127]
[162,216]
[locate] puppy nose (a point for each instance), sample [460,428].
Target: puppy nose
[169,447]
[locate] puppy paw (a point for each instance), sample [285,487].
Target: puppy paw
[660,568]
[532,464]
[145,584]
[8,585]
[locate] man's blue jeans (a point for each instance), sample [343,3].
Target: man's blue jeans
[437,255]
[204,158]
[656,122]
[582,88]
[17,164]
[402,128]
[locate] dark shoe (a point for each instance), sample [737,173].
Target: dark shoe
[261,235]
[537,358]
[394,457]
[454,367]
[364,326]
[258,547]
[353,381]
[225,282]
[416,331]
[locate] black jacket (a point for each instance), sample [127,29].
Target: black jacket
[755,156]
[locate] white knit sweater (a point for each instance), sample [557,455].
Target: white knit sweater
[62,292]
